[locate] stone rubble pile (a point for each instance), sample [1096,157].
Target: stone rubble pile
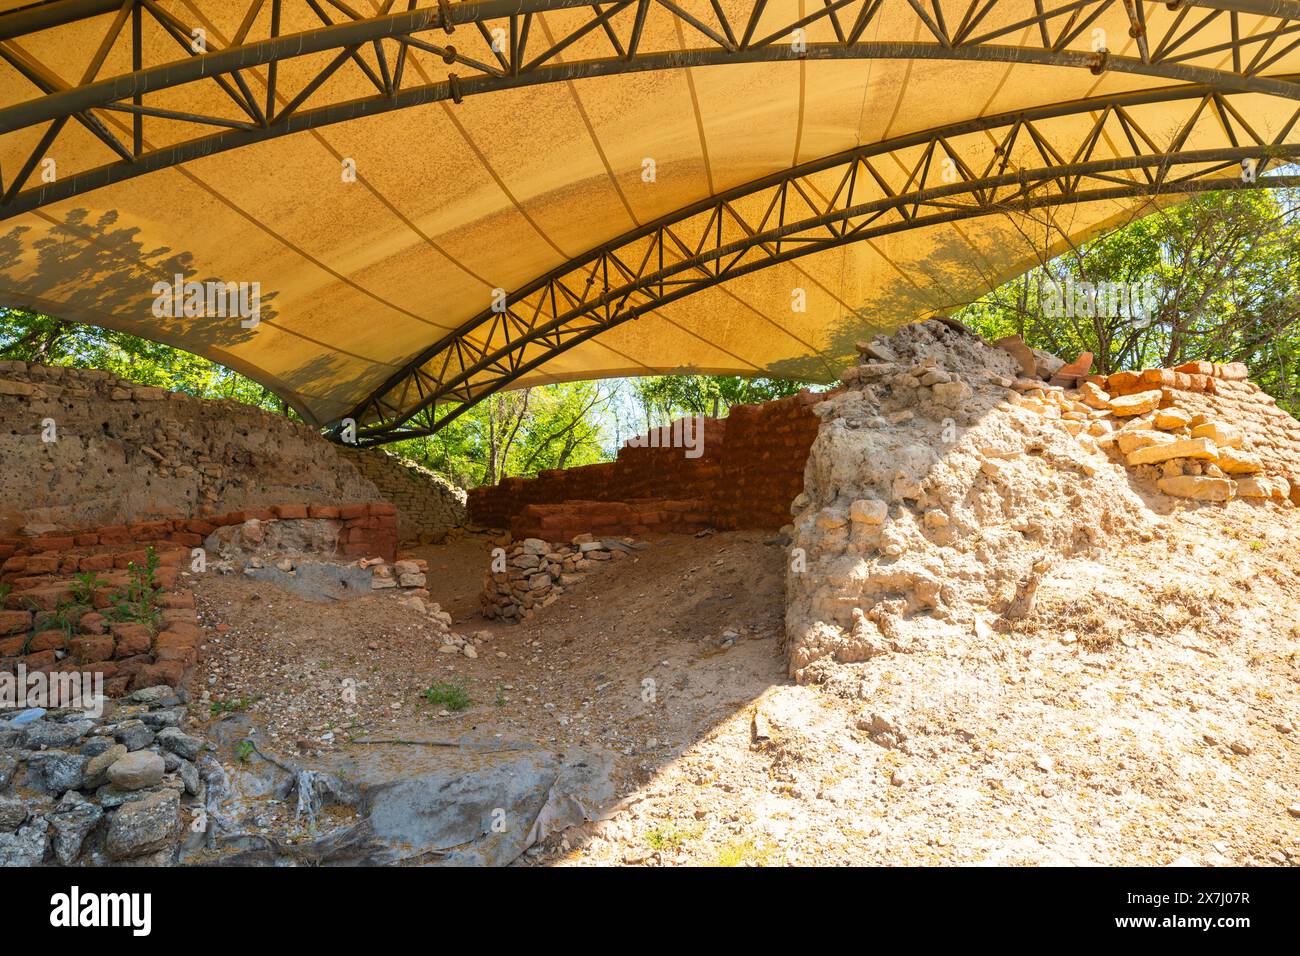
[122,787]
[1185,454]
[290,549]
[538,572]
[949,477]
[410,576]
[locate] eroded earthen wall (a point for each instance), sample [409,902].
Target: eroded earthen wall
[125,453]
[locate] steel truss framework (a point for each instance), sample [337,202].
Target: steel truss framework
[773,220]
[500,49]
[857,195]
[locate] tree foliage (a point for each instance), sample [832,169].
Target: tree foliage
[513,433]
[32,337]
[663,397]
[1223,271]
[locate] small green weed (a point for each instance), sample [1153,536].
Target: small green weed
[451,696]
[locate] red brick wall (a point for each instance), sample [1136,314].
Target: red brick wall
[369,530]
[750,470]
[128,656]
[637,473]
[763,461]
[565,521]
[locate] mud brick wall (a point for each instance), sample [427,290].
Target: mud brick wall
[428,505]
[44,630]
[368,529]
[38,575]
[127,453]
[750,470]
[569,519]
[637,472]
[763,462]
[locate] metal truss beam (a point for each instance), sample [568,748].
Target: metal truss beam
[1008,164]
[499,50]
[52,13]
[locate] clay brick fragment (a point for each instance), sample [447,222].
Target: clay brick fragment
[171,673]
[14,622]
[51,640]
[132,639]
[90,649]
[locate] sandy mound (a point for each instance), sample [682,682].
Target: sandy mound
[935,500]
[944,487]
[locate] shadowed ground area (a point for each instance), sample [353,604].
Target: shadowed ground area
[633,663]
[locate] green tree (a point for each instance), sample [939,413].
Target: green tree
[33,337]
[663,397]
[1223,275]
[514,433]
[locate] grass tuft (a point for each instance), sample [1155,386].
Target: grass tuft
[451,696]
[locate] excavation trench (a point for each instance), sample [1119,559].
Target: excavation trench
[945,494]
[405,754]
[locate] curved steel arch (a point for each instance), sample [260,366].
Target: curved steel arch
[428,424]
[786,216]
[620,23]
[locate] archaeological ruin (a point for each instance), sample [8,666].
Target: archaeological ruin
[557,433]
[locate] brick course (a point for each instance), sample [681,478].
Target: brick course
[750,470]
[130,655]
[1223,392]
[428,505]
[369,530]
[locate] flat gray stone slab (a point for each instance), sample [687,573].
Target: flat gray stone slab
[459,802]
[317,582]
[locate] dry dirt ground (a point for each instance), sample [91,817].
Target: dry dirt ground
[1145,714]
[632,660]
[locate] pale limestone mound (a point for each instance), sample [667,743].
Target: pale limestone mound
[936,497]
[946,484]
